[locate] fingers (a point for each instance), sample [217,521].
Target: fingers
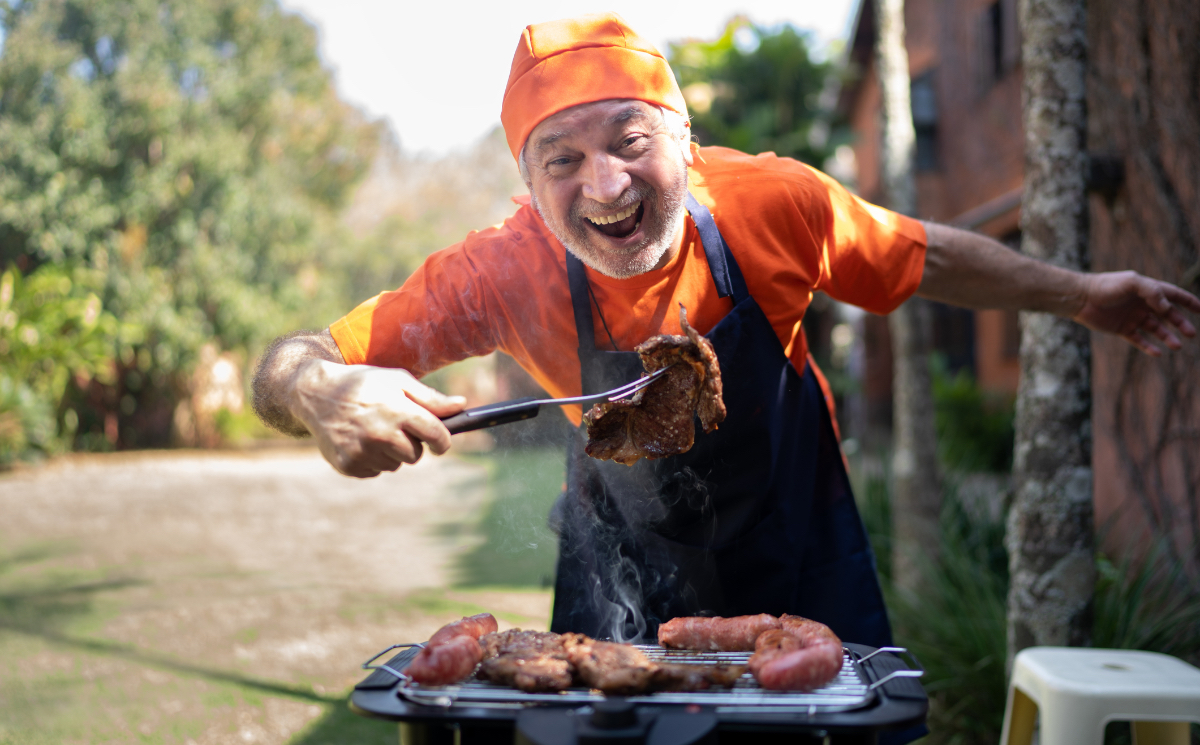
[421,425]
[1158,329]
[1182,297]
[1137,340]
[434,400]
[1165,299]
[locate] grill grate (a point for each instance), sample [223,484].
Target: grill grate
[849,690]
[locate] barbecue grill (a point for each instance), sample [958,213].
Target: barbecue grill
[875,691]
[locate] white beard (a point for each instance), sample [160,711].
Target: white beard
[662,216]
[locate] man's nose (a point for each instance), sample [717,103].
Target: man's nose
[605,178]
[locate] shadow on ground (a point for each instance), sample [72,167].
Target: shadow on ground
[341,726]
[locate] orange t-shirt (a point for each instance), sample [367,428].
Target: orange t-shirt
[791,228]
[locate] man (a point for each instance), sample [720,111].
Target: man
[627,219]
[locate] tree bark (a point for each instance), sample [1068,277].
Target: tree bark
[1050,527]
[916,491]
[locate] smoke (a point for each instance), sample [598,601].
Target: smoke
[622,617]
[689,487]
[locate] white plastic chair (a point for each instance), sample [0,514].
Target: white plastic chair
[1078,691]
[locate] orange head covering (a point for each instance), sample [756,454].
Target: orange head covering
[589,58]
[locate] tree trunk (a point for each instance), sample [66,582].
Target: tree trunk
[916,492]
[1050,526]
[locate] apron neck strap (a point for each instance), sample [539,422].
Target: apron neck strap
[581,302]
[726,273]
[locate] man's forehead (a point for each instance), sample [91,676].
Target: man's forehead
[602,114]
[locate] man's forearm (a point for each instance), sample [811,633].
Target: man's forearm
[973,271]
[275,378]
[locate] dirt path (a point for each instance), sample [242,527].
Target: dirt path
[221,597]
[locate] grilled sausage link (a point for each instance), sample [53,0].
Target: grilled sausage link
[800,656]
[716,634]
[453,651]
[472,626]
[448,662]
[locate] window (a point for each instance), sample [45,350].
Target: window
[999,43]
[925,120]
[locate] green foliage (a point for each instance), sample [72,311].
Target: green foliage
[187,156]
[1148,602]
[974,429]
[754,89]
[52,330]
[956,626]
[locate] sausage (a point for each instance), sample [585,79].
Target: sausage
[472,626]
[716,634]
[448,662]
[799,656]
[453,651]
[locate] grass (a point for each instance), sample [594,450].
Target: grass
[64,680]
[517,548]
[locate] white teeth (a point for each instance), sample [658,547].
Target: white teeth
[617,217]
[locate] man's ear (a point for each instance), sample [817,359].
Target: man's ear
[686,145]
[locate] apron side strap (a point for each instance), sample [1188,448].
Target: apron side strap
[727,275]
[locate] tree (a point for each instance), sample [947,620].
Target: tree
[755,89]
[1050,527]
[189,157]
[916,488]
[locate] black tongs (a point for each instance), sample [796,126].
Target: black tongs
[528,407]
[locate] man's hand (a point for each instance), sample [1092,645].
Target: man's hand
[972,271]
[367,420]
[1138,309]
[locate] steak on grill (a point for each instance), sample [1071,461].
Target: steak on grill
[657,420]
[531,661]
[538,661]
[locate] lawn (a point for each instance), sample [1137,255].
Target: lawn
[229,598]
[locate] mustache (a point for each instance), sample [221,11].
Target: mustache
[634,194]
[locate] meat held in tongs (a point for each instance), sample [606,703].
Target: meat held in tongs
[657,421]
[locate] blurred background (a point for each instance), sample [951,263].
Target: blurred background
[182,182]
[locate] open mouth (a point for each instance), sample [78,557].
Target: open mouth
[622,224]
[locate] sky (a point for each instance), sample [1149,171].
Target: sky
[436,70]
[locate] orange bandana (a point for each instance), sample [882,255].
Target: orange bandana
[579,60]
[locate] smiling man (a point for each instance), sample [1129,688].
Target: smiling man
[626,220]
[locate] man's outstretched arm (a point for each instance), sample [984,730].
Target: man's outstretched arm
[365,419]
[973,271]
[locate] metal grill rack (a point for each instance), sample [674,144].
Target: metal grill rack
[851,689]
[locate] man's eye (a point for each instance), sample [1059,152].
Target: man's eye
[630,140]
[559,162]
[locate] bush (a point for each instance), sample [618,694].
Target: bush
[52,330]
[974,428]
[957,625]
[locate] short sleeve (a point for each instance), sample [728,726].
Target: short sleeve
[437,317]
[873,257]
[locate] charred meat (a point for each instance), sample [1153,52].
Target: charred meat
[658,420]
[531,661]
[539,661]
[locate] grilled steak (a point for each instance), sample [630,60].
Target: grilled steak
[657,421]
[537,661]
[532,661]
[619,669]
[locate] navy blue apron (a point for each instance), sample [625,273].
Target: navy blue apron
[757,517]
